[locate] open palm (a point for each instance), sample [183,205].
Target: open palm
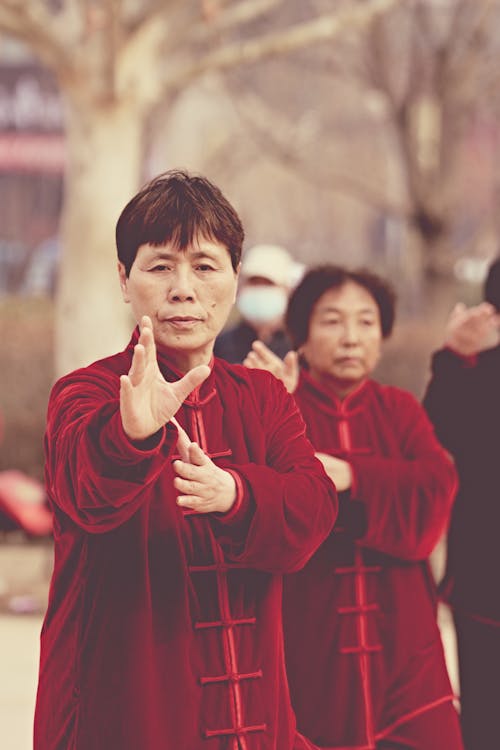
[287,369]
[147,400]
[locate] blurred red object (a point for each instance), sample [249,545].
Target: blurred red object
[23,504]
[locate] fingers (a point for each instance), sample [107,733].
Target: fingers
[458,309]
[263,350]
[145,323]
[197,456]
[287,369]
[291,371]
[144,352]
[138,366]
[206,488]
[252,361]
[146,338]
[265,355]
[191,482]
[191,380]
[261,357]
[125,388]
[462,313]
[191,454]
[187,487]
[183,441]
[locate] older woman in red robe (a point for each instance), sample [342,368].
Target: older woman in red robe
[163,629]
[364,654]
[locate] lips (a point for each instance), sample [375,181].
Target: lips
[182,319]
[182,322]
[348,361]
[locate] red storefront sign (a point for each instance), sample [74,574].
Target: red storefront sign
[30,152]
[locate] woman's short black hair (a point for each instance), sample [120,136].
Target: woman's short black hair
[492,284]
[321,279]
[178,207]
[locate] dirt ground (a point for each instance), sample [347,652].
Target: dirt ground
[19,637]
[24,576]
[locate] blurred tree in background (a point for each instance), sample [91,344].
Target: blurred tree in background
[356,131]
[115,61]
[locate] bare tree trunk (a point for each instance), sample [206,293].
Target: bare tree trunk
[104,144]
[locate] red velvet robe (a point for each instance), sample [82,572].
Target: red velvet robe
[163,630]
[363,650]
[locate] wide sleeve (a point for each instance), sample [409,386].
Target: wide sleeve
[454,401]
[289,504]
[94,473]
[407,497]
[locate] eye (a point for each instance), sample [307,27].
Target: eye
[367,322]
[331,322]
[159,267]
[204,267]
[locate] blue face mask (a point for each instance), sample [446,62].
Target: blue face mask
[262,304]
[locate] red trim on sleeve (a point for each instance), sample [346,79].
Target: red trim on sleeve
[233,512]
[468,360]
[354,482]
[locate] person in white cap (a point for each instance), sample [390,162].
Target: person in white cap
[268,275]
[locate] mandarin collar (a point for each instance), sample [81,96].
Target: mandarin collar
[170,372]
[327,396]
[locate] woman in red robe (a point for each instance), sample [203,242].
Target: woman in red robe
[163,629]
[364,654]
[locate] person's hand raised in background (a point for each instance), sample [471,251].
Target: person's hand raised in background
[262,358]
[472,330]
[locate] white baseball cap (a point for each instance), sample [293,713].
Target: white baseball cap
[271,262]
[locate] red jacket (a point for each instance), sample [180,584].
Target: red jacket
[363,648]
[163,630]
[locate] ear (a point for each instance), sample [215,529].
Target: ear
[123,281]
[301,353]
[236,276]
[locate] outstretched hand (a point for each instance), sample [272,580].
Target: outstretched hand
[287,369]
[474,329]
[147,400]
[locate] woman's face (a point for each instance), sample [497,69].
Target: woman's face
[345,337]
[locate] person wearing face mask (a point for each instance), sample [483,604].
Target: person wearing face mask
[268,273]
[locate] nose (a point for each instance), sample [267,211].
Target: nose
[350,332]
[181,285]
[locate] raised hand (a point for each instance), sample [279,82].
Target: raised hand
[147,400]
[287,369]
[203,486]
[474,329]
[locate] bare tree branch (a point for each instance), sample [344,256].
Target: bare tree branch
[462,30]
[253,112]
[29,21]
[300,35]
[461,72]
[238,14]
